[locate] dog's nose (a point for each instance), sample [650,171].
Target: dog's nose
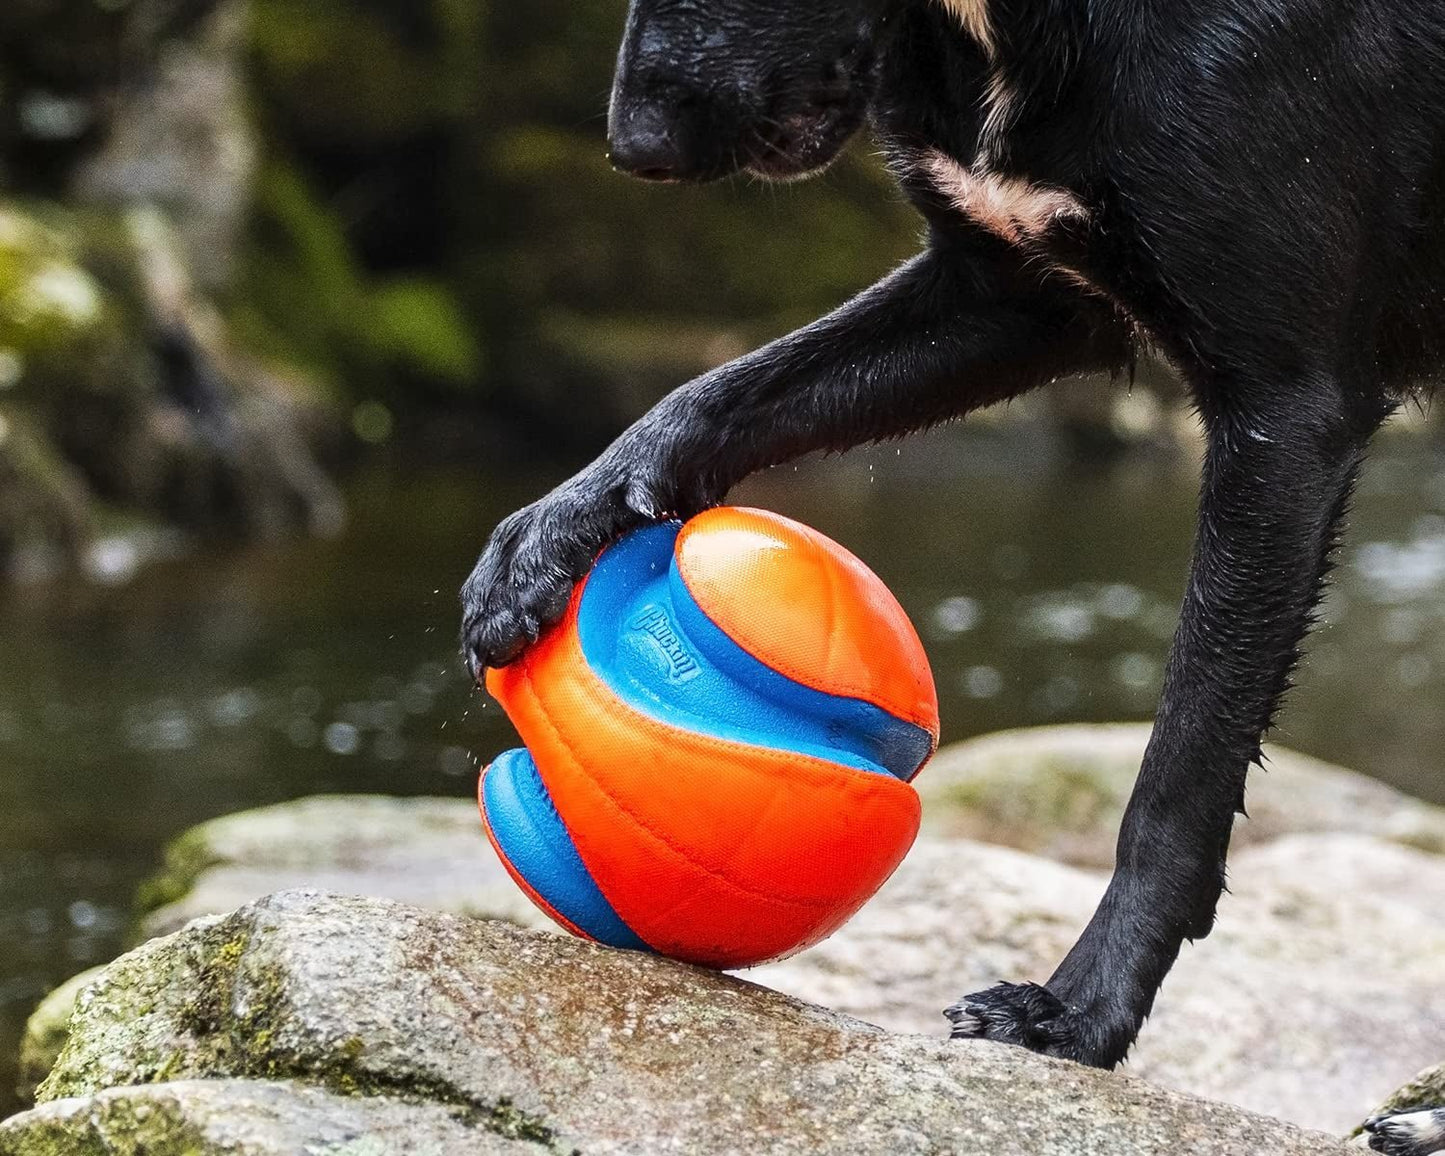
[643,142]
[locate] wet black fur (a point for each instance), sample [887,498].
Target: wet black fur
[1263,179]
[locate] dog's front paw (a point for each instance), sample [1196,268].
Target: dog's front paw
[1414,1133]
[525,575]
[1026,1015]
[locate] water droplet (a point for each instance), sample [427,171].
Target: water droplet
[956,615]
[982,682]
[83,915]
[341,738]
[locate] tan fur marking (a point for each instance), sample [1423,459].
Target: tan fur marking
[1009,207]
[973,15]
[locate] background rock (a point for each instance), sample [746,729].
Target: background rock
[1322,987]
[131,393]
[180,137]
[1426,1090]
[426,852]
[545,1038]
[1060,792]
[123,395]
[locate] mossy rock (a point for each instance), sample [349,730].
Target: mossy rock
[47,1030]
[116,379]
[48,300]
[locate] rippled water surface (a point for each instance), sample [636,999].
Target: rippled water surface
[218,682]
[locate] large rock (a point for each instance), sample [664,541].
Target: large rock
[537,1037]
[426,852]
[1060,791]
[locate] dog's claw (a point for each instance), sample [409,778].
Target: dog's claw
[966,1025]
[1025,1014]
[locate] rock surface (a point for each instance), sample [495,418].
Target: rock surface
[535,1037]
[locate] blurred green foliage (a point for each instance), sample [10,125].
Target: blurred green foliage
[308,300]
[436,224]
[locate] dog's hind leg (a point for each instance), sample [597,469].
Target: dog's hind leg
[1280,466]
[1413,1133]
[954,329]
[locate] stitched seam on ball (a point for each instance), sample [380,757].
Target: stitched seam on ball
[846,690]
[741,888]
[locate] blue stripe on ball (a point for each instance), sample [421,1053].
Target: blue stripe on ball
[646,638]
[531,835]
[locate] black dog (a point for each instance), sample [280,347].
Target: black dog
[1252,187]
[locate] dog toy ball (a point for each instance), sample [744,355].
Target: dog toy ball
[721,733]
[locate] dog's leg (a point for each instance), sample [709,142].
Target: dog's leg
[945,334]
[1279,469]
[1413,1133]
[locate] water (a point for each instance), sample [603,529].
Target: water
[231,680]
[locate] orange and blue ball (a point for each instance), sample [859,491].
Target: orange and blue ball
[720,739]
